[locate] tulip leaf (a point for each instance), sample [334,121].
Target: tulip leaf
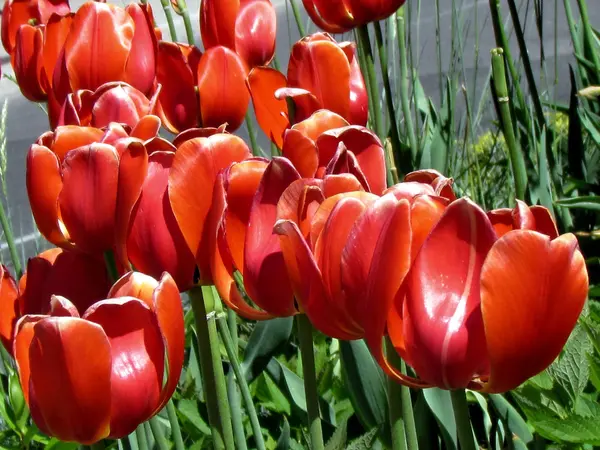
[591,202]
[188,410]
[283,443]
[440,404]
[365,383]
[293,386]
[266,340]
[516,424]
[571,371]
[270,396]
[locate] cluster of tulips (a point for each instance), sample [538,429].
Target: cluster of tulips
[468,298]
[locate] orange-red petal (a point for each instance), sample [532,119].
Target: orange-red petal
[9,310]
[532,292]
[255,32]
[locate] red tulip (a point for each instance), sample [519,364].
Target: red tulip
[76,275]
[249,197]
[248,27]
[339,16]
[98,371]
[111,102]
[201,89]
[490,300]
[20,12]
[322,74]
[353,241]
[79,182]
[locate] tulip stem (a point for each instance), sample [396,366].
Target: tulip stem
[404,97]
[412,441]
[184,12]
[309,372]
[140,435]
[365,43]
[213,377]
[175,429]
[250,127]
[297,17]
[166,5]
[383,63]
[233,360]
[159,434]
[463,422]
[10,240]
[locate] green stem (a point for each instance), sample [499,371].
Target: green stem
[97,446]
[245,390]
[412,441]
[140,435]
[175,429]
[502,41]
[10,240]
[213,377]
[309,372]
[252,135]
[297,17]
[463,422]
[184,12]
[365,43]
[389,97]
[588,37]
[404,80]
[395,405]
[514,151]
[233,391]
[166,5]
[535,96]
[159,434]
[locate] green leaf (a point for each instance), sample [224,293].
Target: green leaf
[266,340]
[339,438]
[365,383]
[365,442]
[270,396]
[591,202]
[574,429]
[55,444]
[516,424]
[283,443]
[188,409]
[571,370]
[440,404]
[293,387]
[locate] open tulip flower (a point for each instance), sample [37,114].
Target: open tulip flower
[111,102]
[247,27]
[201,89]
[75,275]
[82,182]
[354,245]
[20,12]
[257,193]
[489,301]
[339,16]
[322,74]
[54,60]
[90,372]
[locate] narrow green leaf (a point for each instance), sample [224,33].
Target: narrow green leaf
[267,338]
[440,403]
[585,202]
[188,409]
[283,443]
[516,424]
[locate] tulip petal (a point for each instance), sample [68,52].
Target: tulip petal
[301,151]
[44,185]
[155,243]
[176,73]
[265,276]
[299,202]
[98,45]
[77,276]
[217,22]
[9,310]
[532,292]
[133,168]
[271,112]
[329,15]
[544,222]
[67,138]
[443,327]
[222,88]
[140,69]
[255,32]
[20,351]
[28,62]
[137,352]
[195,167]
[70,382]
[88,197]
[233,193]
